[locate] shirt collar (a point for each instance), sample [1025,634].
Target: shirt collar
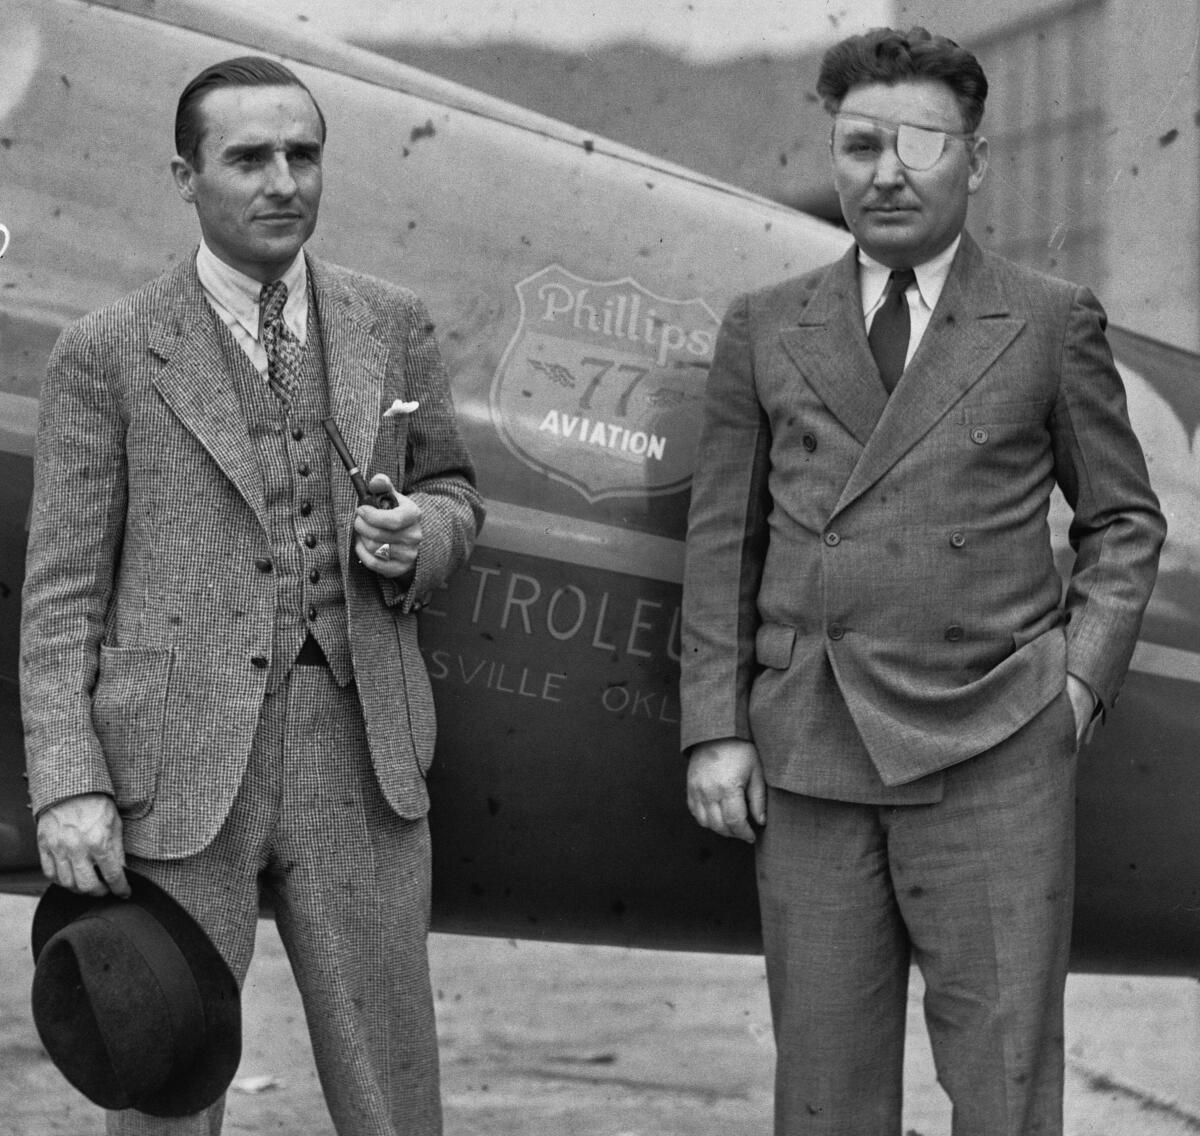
[931,277]
[238,293]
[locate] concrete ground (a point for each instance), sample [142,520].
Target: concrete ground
[553,1040]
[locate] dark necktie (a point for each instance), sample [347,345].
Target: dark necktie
[889,330]
[283,349]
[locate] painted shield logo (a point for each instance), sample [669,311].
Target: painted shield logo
[602,385]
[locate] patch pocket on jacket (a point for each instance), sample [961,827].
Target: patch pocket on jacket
[773,643]
[128,708]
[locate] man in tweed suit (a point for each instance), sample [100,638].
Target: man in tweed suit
[220,675]
[883,684]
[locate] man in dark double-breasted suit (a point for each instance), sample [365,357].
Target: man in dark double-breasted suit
[220,673]
[884,684]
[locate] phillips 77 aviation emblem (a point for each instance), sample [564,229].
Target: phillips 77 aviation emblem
[602,385]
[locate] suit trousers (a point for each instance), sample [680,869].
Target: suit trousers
[349,883]
[977,890]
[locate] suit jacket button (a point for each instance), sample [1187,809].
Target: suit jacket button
[979,435]
[836,631]
[809,442]
[832,539]
[953,633]
[259,661]
[957,540]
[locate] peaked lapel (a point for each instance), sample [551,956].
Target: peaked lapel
[195,383]
[355,366]
[828,346]
[969,329]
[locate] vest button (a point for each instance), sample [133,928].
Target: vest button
[310,541]
[314,576]
[306,507]
[979,435]
[263,564]
[298,433]
[312,614]
[259,661]
[953,633]
[809,442]
[304,469]
[957,540]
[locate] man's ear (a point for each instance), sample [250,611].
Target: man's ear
[979,163]
[183,175]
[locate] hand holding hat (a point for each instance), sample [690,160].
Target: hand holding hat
[133,1002]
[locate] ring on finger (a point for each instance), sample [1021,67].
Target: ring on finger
[383,552]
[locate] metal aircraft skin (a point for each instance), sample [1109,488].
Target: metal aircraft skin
[577,287]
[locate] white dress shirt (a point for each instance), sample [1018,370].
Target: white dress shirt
[922,299]
[234,297]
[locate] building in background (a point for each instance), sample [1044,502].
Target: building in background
[1094,124]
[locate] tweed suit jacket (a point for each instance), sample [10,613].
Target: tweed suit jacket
[145,623]
[903,541]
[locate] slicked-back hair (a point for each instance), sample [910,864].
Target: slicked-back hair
[888,56]
[244,71]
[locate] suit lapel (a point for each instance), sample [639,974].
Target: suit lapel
[195,384]
[355,365]
[968,330]
[829,347]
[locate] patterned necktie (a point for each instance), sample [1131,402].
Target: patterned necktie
[889,330]
[283,349]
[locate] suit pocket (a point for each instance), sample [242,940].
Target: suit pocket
[997,413]
[1047,622]
[128,708]
[391,449]
[773,643]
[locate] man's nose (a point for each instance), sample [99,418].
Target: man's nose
[889,170]
[280,182]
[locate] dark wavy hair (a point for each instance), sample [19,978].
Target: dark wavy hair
[888,56]
[245,71]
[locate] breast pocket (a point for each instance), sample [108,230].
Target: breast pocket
[391,448]
[1006,413]
[128,709]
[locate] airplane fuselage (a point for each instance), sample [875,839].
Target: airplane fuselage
[578,288]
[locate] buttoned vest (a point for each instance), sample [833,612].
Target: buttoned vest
[293,457]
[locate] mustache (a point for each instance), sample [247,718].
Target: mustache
[888,204]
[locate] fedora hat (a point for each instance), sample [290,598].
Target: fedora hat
[132,1001]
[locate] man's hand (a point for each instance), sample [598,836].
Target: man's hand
[388,539]
[1083,702]
[725,787]
[79,842]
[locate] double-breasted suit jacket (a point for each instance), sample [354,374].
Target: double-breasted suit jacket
[147,629]
[894,552]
